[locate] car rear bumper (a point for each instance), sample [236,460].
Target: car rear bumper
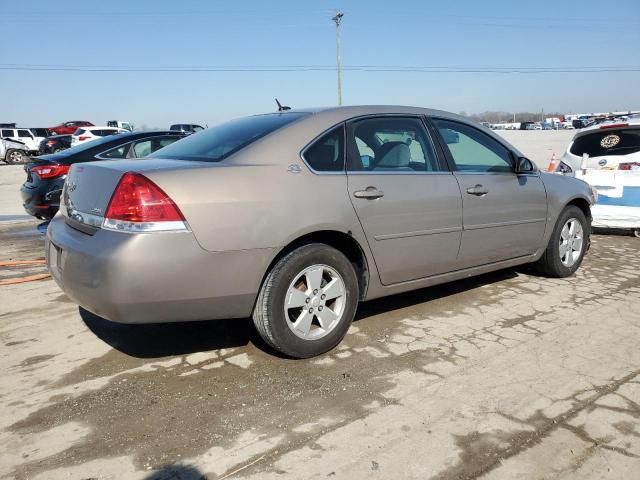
[153,277]
[40,202]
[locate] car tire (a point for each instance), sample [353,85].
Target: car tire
[15,157]
[562,257]
[315,285]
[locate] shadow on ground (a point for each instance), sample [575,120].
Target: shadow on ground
[165,339]
[177,472]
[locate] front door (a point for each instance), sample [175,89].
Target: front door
[504,213]
[407,200]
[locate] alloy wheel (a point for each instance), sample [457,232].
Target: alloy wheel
[315,302]
[571,242]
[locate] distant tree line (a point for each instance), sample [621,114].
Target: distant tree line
[506,117]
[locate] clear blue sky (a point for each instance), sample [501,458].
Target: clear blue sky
[164,33]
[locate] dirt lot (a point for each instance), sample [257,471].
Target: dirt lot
[508,375]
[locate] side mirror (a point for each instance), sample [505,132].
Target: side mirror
[524,165]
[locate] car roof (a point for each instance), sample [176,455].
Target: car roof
[631,123]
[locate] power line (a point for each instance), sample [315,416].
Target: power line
[316,68]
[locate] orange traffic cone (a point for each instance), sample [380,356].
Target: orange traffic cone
[553,164]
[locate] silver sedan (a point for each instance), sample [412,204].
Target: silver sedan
[295,217]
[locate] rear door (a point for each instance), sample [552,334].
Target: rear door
[504,213]
[406,199]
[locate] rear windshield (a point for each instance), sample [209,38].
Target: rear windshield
[607,142]
[216,143]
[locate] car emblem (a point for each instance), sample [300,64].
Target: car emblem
[602,162]
[72,186]
[96,210]
[610,141]
[294,168]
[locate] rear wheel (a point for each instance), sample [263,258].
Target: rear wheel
[15,157]
[567,245]
[307,301]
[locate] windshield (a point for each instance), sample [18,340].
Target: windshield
[216,143]
[608,142]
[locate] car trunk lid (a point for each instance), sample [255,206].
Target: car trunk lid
[90,186]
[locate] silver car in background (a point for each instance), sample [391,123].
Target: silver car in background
[294,217]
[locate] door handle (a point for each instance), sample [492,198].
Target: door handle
[370,193]
[478,190]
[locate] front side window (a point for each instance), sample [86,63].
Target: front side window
[473,150]
[390,144]
[217,143]
[327,153]
[24,134]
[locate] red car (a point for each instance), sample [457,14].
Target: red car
[67,128]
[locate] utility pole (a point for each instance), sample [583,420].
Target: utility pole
[337,19]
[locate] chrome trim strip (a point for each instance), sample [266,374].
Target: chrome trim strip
[353,173]
[419,233]
[505,224]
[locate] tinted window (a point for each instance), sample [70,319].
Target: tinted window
[24,134]
[391,144]
[607,142]
[473,150]
[142,149]
[118,152]
[197,128]
[327,153]
[216,143]
[7,133]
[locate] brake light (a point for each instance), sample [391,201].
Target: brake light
[82,139]
[51,142]
[629,166]
[139,205]
[613,125]
[50,171]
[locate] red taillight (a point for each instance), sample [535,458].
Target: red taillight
[82,139]
[50,171]
[613,125]
[137,199]
[51,142]
[629,166]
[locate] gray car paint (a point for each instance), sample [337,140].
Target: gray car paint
[243,211]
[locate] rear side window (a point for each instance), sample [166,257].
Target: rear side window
[217,143]
[80,131]
[473,150]
[7,133]
[118,152]
[327,153]
[607,142]
[104,132]
[390,144]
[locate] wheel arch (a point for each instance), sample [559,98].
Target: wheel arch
[583,204]
[342,242]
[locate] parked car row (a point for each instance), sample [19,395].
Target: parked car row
[295,217]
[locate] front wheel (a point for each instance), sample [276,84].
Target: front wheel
[307,301]
[16,157]
[567,245]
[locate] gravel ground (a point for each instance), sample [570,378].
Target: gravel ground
[508,375]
